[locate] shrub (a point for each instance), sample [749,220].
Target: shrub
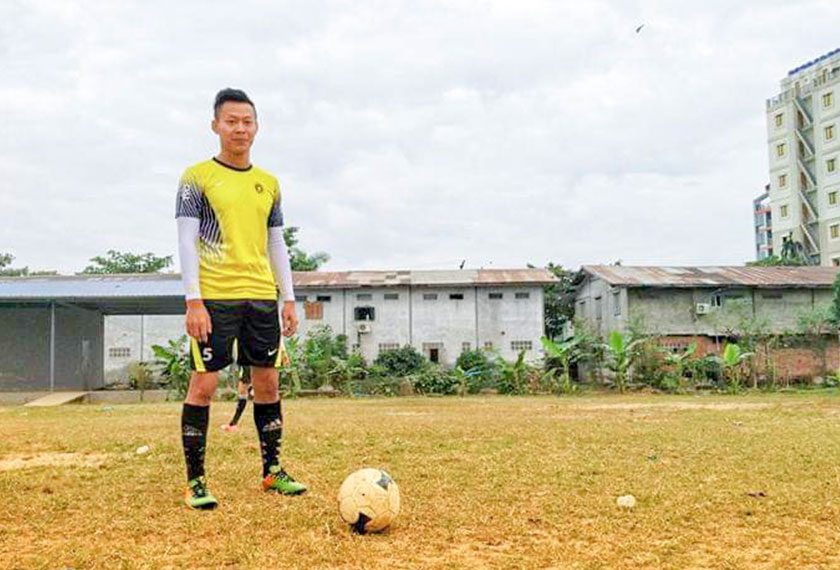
[481,371]
[436,380]
[174,363]
[403,361]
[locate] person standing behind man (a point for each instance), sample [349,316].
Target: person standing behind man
[233,257]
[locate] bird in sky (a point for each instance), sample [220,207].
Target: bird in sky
[462,264]
[639,28]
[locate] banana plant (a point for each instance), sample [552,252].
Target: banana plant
[678,361]
[730,360]
[566,352]
[620,356]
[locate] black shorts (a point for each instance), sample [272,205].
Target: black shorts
[253,325]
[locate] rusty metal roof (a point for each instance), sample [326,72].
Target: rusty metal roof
[765,277]
[462,277]
[168,285]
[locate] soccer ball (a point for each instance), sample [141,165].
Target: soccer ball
[369,500]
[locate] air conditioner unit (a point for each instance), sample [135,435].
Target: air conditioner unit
[703,308]
[364,328]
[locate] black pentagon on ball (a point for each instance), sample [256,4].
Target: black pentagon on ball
[385,480]
[359,525]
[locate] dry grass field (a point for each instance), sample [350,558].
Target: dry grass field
[496,482]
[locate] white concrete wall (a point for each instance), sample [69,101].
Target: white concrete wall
[410,319]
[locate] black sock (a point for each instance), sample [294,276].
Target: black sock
[194,421]
[269,421]
[240,407]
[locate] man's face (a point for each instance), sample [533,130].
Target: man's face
[236,125]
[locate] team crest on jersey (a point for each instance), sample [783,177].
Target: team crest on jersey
[258,187]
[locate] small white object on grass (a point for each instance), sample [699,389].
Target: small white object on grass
[142,450]
[626,501]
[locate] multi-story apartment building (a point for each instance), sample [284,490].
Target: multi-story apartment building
[803,139]
[763,222]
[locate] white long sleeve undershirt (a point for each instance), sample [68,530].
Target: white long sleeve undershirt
[280,264]
[188,229]
[188,256]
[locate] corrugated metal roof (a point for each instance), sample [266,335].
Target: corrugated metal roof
[169,285]
[767,277]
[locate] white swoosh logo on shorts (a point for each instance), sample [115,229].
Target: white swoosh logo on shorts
[272,352]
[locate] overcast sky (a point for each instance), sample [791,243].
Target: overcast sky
[405,135]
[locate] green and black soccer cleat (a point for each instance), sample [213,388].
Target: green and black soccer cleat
[278,480]
[198,497]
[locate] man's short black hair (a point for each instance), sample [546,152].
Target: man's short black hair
[230,94]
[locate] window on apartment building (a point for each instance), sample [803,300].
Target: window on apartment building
[430,296]
[782,180]
[119,352]
[781,149]
[456,296]
[834,231]
[783,210]
[829,132]
[433,350]
[313,311]
[519,345]
[716,301]
[522,295]
[364,296]
[392,296]
[495,295]
[386,346]
[598,311]
[616,297]
[831,165]
[780,119]
[828,99]
[466,346]
[323,298]
[364,313]
[832,198]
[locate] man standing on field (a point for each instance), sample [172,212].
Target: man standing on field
[233,256]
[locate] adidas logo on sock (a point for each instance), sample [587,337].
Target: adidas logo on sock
[191,431]
[274,425]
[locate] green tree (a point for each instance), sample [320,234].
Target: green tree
[299,259]
[559,300]
[834,309]
[6,259]
[126,262]
[777,261]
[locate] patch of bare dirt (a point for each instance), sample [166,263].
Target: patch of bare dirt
[25,461]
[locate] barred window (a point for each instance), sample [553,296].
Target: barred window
[519,345]
[495,295]
[488,345]
[466,346]
[324,298]
[386,346]
[430,296]
[364,296]
[392,296]
[119,352]
[456,296]
[522,295]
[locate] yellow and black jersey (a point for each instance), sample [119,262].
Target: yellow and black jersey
[235,208]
